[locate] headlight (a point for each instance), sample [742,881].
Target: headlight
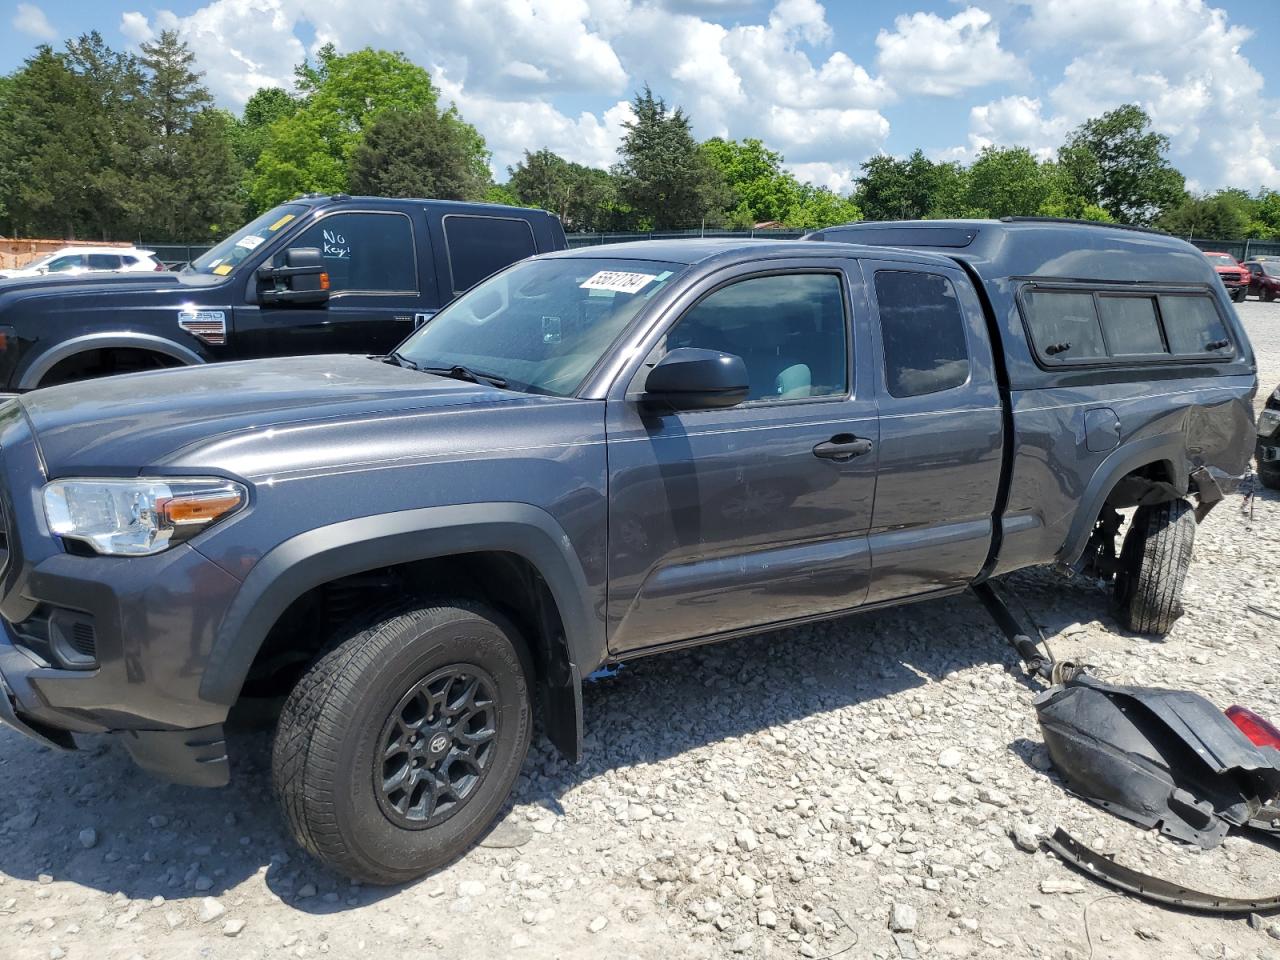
[136,517]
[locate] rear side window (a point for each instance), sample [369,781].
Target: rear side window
[1073,327]
[480,246]
[103,261]
[925,350]
[1131,325]
[1193,326]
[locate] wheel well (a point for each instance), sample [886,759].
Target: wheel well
[505,581]
[1149,484]
[106,362]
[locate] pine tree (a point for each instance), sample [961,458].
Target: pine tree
[665,178]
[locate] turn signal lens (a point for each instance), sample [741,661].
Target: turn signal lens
[1259,731]
[199,509]
[324,281]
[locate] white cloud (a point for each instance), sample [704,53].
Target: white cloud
[136,27]
[31,20]
[557,73]
[927,54]
[1181,61]
[240,45]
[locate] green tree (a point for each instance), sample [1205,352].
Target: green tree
[1117,163]
[761,189]
[174,91]
[175,101]
[312,150]
[910,189]
[584,198]
[421,153]
[212,205]
[815,207]
[1007,182]
[1221,216]
[261,110]
[664,177]
[70,139]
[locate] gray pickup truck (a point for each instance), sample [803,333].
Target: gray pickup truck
[596,455]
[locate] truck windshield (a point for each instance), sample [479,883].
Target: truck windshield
[541,325]
[226,256]
[1222,260]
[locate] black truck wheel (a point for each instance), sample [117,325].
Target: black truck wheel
[1153,566]
[399,747]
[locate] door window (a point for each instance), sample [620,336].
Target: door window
[789,330]
[103,261]
[70,262]
[364,252]
[925,349]
[480,246]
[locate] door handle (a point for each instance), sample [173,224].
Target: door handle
[842,447]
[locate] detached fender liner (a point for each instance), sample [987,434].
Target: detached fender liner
[1145,887]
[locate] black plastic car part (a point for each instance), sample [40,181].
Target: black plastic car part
[1160,758]
[1105,870]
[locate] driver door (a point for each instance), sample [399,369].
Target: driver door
[374,284]
[722,520]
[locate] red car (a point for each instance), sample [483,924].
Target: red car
[1264,277]
[1234,277]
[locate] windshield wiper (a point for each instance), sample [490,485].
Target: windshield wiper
[395,356]
[459,372]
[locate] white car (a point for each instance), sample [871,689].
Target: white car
[74,260]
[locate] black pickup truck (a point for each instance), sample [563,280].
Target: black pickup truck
[321,274]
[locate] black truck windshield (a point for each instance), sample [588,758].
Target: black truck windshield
[542,325]
[226,256]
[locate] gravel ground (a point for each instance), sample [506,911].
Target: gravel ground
[861,788]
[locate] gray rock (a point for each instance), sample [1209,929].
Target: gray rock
[597,924]
[210,910]
[743,943]
[950,757]
[233,928]
[903,918]
[88,838]
[1026,836]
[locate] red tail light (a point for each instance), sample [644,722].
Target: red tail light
[1259,731]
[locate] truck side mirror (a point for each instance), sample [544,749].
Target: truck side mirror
[690,378]
[302,279]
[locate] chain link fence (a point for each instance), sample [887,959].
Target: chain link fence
[1240,249]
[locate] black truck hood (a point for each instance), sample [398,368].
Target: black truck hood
[123,425]
[114,281]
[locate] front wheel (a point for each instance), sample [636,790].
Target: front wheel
[1153,566]
[398,748]
[1238,296]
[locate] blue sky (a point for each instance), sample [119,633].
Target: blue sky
[827,84]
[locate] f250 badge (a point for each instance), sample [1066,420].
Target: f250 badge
[207,325]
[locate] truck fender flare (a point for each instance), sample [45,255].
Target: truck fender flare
[1166,448]
[44,362]
[326,553]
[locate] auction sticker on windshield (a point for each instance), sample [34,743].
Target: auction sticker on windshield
[617,281]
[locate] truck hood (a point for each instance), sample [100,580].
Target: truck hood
[23,283]
[124,425]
